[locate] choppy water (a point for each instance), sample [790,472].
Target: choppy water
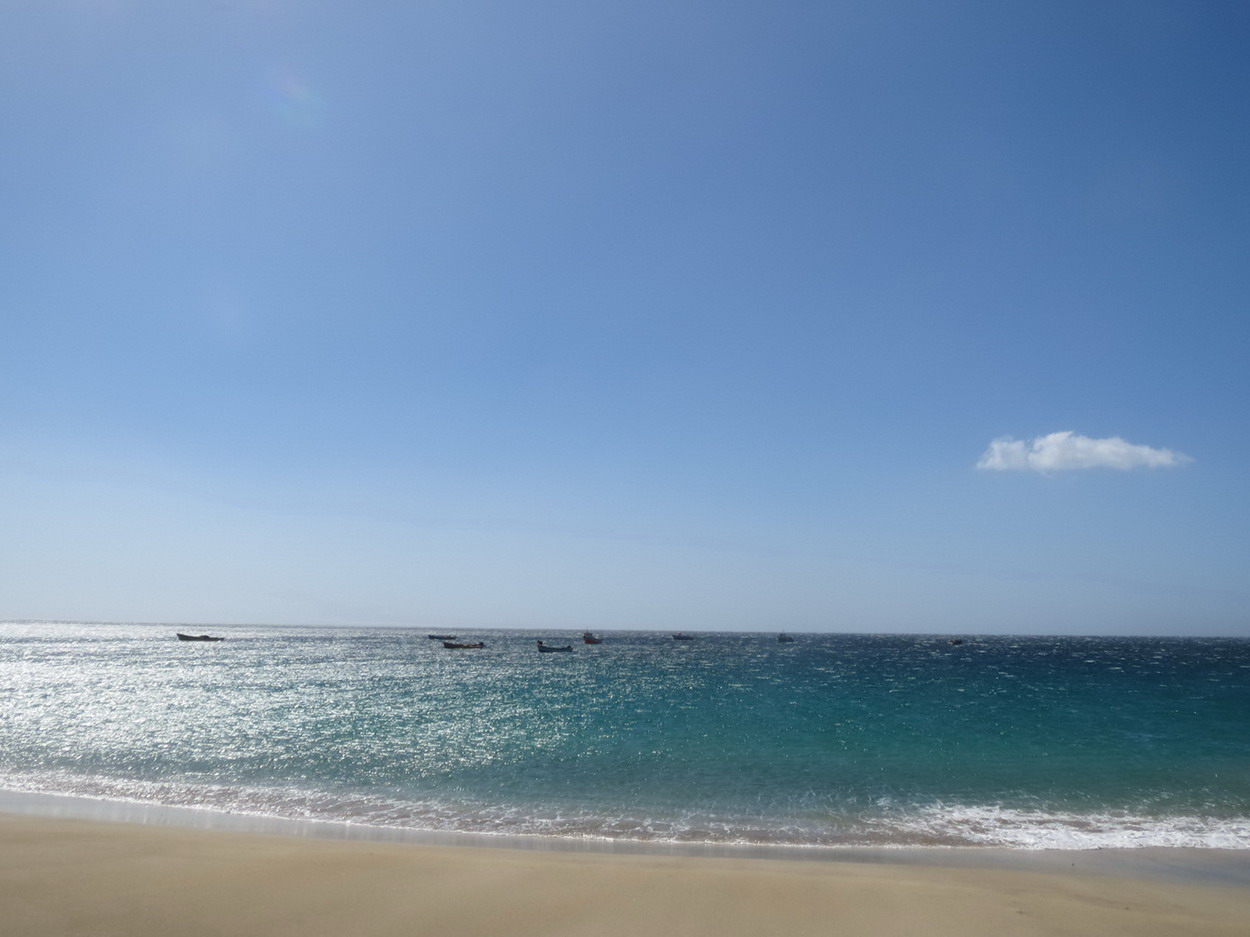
[832,740]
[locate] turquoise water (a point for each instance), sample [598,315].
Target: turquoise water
[831,740]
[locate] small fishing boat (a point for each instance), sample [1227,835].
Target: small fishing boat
[682,636]
[463,645]
[441,637]
[551,649]
[589,638]
[196,637]
[784,638]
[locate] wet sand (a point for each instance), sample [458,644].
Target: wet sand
[61,877]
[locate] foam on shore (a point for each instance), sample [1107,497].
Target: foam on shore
[1229,867]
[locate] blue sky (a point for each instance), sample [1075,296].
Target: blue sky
[627,315]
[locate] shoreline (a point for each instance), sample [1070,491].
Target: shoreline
[63,877]
[1181,865]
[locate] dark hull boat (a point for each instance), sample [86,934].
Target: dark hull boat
[441,637]
[196,637]
[463,645]
[589,638]
[683,637]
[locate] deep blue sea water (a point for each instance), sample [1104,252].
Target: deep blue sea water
[1057,742]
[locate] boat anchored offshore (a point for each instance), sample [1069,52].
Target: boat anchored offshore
[784,638]
[463,645]
[441,637]
[196,637]
[589,637]
[550,649]
[682,636]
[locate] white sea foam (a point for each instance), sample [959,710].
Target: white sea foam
[934,825]
[1036,829]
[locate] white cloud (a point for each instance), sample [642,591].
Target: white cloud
[1059,452]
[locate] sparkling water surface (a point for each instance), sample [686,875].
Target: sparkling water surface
[830,740]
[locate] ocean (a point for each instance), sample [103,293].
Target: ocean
[831,740]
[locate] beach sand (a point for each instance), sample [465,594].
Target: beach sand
[78,877]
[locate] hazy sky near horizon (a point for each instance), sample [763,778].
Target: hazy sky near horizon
[835,316]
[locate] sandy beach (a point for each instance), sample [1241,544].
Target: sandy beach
[62,877]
